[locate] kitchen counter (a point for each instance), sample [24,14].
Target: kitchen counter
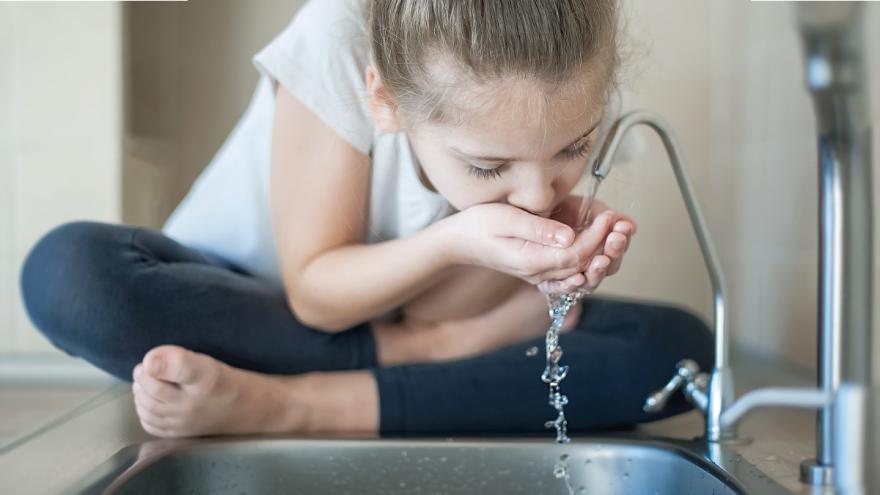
[54,458]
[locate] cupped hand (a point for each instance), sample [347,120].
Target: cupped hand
[599,248]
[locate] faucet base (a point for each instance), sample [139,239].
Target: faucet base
[813,473]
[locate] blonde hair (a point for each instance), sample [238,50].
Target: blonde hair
[550,42]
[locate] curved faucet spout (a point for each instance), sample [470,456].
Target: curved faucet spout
[720,386]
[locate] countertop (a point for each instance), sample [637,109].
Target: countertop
[55,457]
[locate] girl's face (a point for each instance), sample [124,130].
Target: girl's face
[513,143]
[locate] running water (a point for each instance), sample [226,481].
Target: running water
[559,306]
[560,472]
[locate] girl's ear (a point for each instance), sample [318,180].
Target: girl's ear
[382,106]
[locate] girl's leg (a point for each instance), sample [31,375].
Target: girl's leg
[109,293]
[618,354]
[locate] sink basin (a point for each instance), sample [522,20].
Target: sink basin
[269,466]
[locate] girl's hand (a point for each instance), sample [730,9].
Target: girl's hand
[510,240]
[614,232]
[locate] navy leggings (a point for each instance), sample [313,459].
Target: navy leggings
[109,293]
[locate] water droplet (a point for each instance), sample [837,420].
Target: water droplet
[532,351]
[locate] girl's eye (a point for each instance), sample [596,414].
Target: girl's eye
[578,152]
[484,173]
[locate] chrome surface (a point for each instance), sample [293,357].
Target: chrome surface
[270,466]
[832,35]
[719,385]
[688,373]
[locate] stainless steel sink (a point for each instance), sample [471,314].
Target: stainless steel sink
[486,466]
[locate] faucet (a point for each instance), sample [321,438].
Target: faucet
[832,37]
[835,69]
[711,393]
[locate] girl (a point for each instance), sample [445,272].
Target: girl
[363,252]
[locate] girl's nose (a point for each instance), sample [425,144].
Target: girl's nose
[534,192]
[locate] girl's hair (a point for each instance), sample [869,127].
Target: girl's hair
[548,41]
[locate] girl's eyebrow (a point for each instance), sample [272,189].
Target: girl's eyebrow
[503,159]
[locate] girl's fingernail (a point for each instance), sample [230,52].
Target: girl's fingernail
[600,264]
[617,245]
[562,237]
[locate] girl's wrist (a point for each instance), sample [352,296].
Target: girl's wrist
[444,242]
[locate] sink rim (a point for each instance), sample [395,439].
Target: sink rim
[127,463]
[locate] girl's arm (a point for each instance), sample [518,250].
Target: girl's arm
[319,196]
[462,292]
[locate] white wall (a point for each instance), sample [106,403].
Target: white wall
[60,149]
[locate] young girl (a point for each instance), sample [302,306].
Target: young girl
[363,252]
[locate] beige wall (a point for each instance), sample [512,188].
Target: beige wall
[725,74]
[59,134]
[188,80]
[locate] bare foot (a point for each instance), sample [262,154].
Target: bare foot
[180,393]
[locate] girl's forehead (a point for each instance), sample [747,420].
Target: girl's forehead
[527,102]
[525,115]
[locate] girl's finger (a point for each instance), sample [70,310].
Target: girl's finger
[614,267]
[615,245]
[564,273]
[615,263]
[588,241]
[562,286]
[596,272]
[625,226]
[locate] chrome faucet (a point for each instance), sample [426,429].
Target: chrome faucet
[835,70]
[711,393]
[832,36]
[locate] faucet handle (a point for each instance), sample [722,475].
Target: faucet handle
[688,371]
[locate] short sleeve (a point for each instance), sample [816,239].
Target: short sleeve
[321,58]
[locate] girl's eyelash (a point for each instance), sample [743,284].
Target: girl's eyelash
[578,152]
[495,173]
[484,173]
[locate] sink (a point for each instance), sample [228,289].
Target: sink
[530,466]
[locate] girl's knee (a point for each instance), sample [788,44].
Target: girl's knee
[65,274]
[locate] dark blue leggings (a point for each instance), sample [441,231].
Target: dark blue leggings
[109,293]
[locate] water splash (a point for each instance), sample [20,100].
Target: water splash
[560,472]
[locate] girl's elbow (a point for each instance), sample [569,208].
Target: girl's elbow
[315,318]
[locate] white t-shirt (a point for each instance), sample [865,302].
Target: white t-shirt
[321,58]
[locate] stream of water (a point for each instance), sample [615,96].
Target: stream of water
[559,306]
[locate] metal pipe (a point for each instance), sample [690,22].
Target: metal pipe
[720,390]
[833,44]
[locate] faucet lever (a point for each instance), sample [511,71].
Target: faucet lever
[688,371]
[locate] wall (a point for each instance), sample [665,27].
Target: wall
[188,79]
[60,149]
[728,77]
[725,74]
